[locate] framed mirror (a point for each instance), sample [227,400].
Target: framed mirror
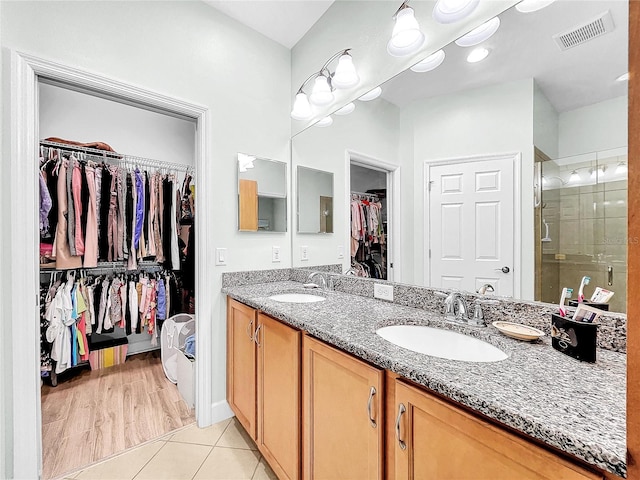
[262,194]
[532,110]
[315,200]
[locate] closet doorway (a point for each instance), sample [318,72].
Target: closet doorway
[27,74]
[372,210]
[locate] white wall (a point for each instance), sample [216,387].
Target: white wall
[181,49]
[594,128]
[372,129]
[545,124]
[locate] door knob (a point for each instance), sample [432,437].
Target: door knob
[503,269]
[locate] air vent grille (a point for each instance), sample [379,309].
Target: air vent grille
[583,33]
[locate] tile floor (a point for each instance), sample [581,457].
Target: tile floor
[222,451]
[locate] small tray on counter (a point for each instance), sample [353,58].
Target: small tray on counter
[519,331]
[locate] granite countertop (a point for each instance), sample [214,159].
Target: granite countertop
[571,405]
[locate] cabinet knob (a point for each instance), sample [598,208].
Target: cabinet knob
[401,410]
[372,421]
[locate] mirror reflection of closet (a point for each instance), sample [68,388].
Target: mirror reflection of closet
[262,194]
[315,201]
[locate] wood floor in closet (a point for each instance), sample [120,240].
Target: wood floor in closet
[97,413]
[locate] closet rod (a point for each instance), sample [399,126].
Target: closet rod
[362,194]
[109,267]
[108,156]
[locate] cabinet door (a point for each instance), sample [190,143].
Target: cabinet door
[435,439]
[279,396]
[241,364]
[342,409]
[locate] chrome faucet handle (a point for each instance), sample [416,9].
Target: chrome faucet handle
[478,319]
[462,314]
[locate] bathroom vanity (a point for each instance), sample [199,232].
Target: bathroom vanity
[324,396]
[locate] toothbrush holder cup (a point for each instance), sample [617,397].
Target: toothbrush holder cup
[576,339]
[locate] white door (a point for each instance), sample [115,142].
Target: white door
[471,225]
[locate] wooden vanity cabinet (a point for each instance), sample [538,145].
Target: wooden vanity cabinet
[343,425]
[435,439]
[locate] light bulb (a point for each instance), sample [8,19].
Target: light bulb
[574,177]
[621,168]
[479,34]
[431,62]
[371,95]
[477,55]
[301,108]
[346,110]
[407,38]
[528,6]
[346,75]
[325,122]
[451,11]
[321,94]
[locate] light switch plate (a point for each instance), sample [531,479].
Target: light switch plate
[275,254]
[221,256]
[340,251]
[304,253]
[383,292]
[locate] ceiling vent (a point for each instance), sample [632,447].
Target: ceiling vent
[585,32]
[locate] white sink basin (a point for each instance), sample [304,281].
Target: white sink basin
[441,343]
[296,298]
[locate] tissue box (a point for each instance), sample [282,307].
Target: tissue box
[576,339]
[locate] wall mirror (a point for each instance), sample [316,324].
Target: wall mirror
[262,194]
[479,161]
[315,200]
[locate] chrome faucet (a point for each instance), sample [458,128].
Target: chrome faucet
[326,281]
[456,308]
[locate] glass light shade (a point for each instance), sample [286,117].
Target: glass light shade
[431,62]
[325,122]
[346,110]
[346,75]
[574,177]
[321,94]
[301,107]
[477,55]
[528,6]
[371,95]
[407,38]
[621,168]
[479,34]
[451,11]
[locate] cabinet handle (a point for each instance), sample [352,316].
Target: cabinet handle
[256,336]
[249,334]
[372,421]
[401,410]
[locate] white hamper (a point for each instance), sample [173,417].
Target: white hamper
[177,366]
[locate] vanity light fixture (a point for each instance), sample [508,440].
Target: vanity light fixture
[406,38]
[325,122]
[245,162]
[623,78]
[477,55]
[371,95]
[528,6]
[324,82]
[451,11]
[479,34]
[432,62]
[575,177]
[621,168]
[346,110]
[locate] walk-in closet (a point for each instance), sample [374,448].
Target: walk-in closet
[117,275]
[369,222]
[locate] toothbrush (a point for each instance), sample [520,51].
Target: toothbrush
[566,293]
[585,281]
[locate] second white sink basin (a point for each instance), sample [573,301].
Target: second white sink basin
[441,343]
[296,298]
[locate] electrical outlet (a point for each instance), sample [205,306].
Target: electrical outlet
[275,254]
[221,256]
[304,253]
[340,251]
[383,292]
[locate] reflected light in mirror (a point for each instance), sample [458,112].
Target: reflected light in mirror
[321,94]
[574,177]
[479,34]
[346,110]
[245,162]
[621,168]
[325,122]
[346,75]
[371,95]
[623,78]
[451,11]
[477,55]
[301,107]
[407,38]
[528,6]
[432,62]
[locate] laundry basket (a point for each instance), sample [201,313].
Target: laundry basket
[175,331]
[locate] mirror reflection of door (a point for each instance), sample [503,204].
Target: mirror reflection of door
[247,205]
[326,214]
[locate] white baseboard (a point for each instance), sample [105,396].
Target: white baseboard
[220,411]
